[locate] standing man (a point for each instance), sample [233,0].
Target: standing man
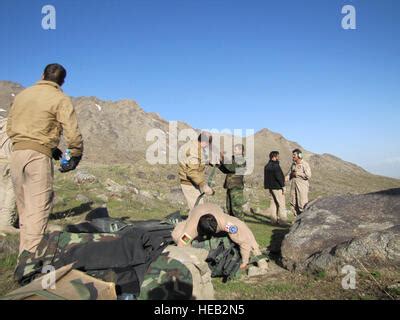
[38,117]
[274,182]
[234,181]
[299,175]
[8,213]
[192,168]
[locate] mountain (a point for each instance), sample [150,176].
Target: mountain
[115,132]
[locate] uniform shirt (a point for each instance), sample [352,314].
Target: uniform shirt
[238,231]
[303,172]
[192,165]
[38,117]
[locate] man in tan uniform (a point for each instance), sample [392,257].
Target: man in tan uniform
[36,120]
[186,231]
[299,175]
[8,213]
[192,170]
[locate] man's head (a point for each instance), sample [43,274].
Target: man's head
[238,150]
[274,155]
[297,155]
[207,225]
[55,72]
[205,139]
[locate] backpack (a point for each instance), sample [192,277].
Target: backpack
[224,257]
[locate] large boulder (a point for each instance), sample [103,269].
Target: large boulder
[360,230]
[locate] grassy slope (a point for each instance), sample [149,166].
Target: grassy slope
[278,284]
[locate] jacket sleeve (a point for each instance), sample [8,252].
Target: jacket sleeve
[245,248]
[306,173]
[66,116]
[280,177]
[195,171]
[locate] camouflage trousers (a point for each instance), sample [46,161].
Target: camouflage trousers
[234,202]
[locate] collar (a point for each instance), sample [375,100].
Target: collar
[49,83]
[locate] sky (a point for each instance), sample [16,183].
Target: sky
[288,66]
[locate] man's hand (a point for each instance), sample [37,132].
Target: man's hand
[56,153]
[243,266]
[207,190]
[71,165]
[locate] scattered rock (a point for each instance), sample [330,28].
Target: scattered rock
[141,175]
[146,194]
[131,188]
[102,197]
[82,198]
[114,187]
[348,229]
[84,177]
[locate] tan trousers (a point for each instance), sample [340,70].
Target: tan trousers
[298,196]
[32,175]
[191,194]
[7,197]
[277,206]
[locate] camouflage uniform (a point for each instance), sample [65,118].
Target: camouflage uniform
[167,279]
[234,185]
[51,250]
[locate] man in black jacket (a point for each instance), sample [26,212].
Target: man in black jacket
[274,182]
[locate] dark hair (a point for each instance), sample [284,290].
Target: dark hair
[207,225]
[205,137]
[296,151]
[273,154]
[55,72]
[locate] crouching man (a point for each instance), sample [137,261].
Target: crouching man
[209,219]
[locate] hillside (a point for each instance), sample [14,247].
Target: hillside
[115,133]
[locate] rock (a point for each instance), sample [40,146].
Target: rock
[114,187]
[82,198]
[131,188]
[175,196]
[84,177]
[171,177]
[141,175]
[102,197]
[147,194]
[348,229]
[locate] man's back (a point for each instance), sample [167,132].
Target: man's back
[38,116]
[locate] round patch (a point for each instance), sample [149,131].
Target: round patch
[233,229]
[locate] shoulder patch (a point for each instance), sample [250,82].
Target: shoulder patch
[186,239]
[231,228]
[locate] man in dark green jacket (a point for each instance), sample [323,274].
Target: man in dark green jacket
[234,181]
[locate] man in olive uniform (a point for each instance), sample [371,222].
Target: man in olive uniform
[234,181]
[186,231]
[299,175]
[8,214]
[192,168]
[37,118]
